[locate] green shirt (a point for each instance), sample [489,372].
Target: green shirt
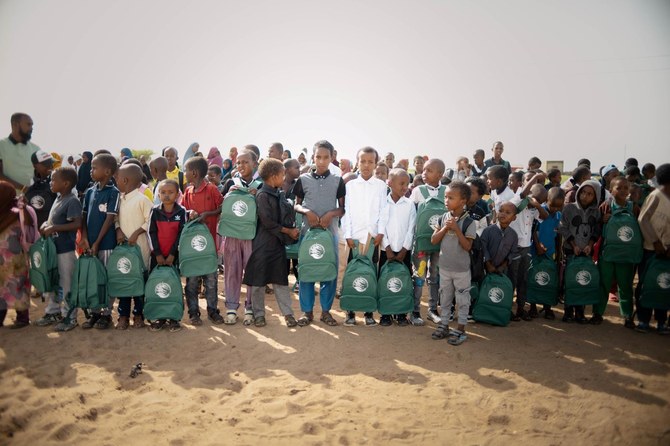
[15,159]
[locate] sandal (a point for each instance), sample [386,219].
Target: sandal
[249,318]
[231,318]
[328,319]
[290,321]
[442,332]
[306,319]
[457,337]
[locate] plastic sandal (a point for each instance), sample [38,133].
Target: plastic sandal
[457,337]
[306,319]
[248,318]
[328,319]
[290,320]
[442,332]
[231,318]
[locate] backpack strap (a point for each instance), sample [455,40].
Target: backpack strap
[424,191]
[180,177]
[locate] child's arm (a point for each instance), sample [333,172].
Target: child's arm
[175,246]
[153,236]
[312,218]
[534,179]
[47,230]
[543,214]
[109,223]
[326,218]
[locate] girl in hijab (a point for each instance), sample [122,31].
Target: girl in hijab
[192,149]
[226,169]
[14,281]
[126,153]
[214,158]
[84,173]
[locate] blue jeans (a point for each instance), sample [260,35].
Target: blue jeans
[211,294]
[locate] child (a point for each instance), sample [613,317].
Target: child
[432,173]
[554,177]
[463,169]
[455,243]
[580,229]
[84,175]
[499,241]
[132,224]
[476,207]
[382,171]
[39,194]
[62,224]
[291,175]
[214,176]
[496,159]
[267,263]
[654,218]
[534,163]
[172,155]
[622,273]
[497,179]
[166,223]
[144,183]
[202,200]
[364,207]
[478,168]
[400,215]
[545,233]
[236,252]
[100,207]
[579,175]
[320,198]
[418,163]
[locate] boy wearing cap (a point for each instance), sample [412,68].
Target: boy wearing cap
[39,195]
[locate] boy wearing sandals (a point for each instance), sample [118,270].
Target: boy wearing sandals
[454,260]
[267,263]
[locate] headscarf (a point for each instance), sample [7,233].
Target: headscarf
[84,174]
[214,158]
[126,152]
[7,204]
[225,171]
[58,161]
[189,152]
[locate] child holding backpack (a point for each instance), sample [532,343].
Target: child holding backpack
[267,263]
[455,234]
[63,222]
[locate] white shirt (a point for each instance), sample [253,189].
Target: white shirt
[364,207]
[401,219]
[417,196]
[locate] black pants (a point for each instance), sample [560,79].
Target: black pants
[644,314]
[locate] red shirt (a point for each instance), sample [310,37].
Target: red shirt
[206,198]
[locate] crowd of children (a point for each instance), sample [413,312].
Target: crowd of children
[448,228]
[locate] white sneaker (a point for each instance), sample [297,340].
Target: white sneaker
[248,317]
[415,319]
[434,317]
[231,318]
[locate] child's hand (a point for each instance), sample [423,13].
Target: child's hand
[606,218]
[325,221]
[47,229]
[120,236]
[294,233]
[160,259]
[451,224]
[83,244]
[490,268]
[192,215]
[350,243]
[170,260]
[587,250]
[541,249]
[94,249]
[132,240]
[312,219]
[389,254]
[378,239]
[253,191]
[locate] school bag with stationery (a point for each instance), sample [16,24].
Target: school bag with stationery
[317,259]
[543,285]
[89,284]
[394,289]
[125,271]
[427,217]
[582,282]
[163,295]
[622,238]
[359,285]
[656,284]
[238,212]
[494,304]
[197,250]
[43,265]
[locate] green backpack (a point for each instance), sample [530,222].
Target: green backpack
[44,265]
[293,249]
[238,212]
[494,305]
[359,285]
[163,295]
[656,284]
[89,284]
[543,281]
[622,239]
[125,272]
[197,250]
[582,282]
[396,294]
[427,216]
[317,259]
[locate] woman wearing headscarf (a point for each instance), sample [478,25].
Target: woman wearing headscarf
[214,158]
[226,169]
[84,173]
[192,149]
[58,160]
[126,153]
[14,281]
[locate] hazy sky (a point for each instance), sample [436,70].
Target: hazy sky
[556,79]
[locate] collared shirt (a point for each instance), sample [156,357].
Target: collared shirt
[417,196]
[15,157]
[498,244]
[204,199]
[134,213]
[401,219]
[174,175]
[655,220]
[320,194]
[492,162]
[364,206]
[99,202]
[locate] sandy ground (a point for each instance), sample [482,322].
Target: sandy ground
[544,382]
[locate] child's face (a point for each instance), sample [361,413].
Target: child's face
[494,182]
[98,172]
[367,165]
[276,180]
[418,165]
[190,175]
[171,157]
[381,173]
[213,177]
[506,214]
[58,185]
[556,205]
[513,183]
[399,185]
[431,174]
[497,151]
[586,197]
[292,171]
[635,194]
[245,165]
[534,166]
[168,193]
[43,169]
[620,190]
[555,179]
[453,200]
[478,158]
[474,193]
[322,159]
[464,164]
[122,182]
[388,160]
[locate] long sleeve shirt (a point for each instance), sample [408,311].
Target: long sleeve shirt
[498,244]
[401,219]
[364,206]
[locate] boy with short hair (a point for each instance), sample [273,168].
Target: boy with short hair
[455,243]
[132,224]
[496,159]
[432,173]
[214,176]
[172,155]
[100,208]
[382,171]
[320,198]
[554,177]
[499,241]
[365,207]
[478,166]
[62,224]
[579,175]
[477,208]
[202,200]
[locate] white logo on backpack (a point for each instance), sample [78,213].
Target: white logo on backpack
[625,234]
[434,221]
[37,259]
[663,280]
[124,265]
[240,208]
[37,202]
[360,284]
[496,295]
[163,290]
[199,243]
[316,251]
[394,285]
[542,278]
[583,277]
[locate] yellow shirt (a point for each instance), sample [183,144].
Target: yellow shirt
[134,213]
[174,175]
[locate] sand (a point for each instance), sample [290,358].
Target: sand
[542,382]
